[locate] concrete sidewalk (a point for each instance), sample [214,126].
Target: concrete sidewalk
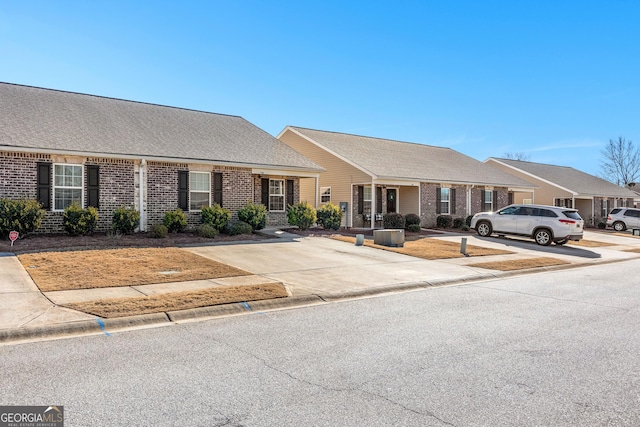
[314,270]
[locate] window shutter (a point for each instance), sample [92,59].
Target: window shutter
[44,185]
[438,200]
[510,199]
[265,192]
[378,199]
[495,200]
[183,190]
[360,199]
[93,186]
[452,201]
[290,198]
[217,188]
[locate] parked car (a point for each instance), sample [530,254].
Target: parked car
[544,224]
[622,218]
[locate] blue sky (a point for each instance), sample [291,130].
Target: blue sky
[552,79]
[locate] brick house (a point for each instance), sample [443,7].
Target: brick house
[61,148]
[373,176]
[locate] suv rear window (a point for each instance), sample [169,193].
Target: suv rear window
[615,211]
[572,214]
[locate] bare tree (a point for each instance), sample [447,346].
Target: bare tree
[621,161]
[517,156]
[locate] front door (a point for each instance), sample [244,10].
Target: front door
[392,200]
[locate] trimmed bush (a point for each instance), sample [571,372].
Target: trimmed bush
[23,216]
[254,214]
[207,230]
[240,227]
[175,221]
[78,221]
[393,220]
[158,231]
[414,228]
[216,216]
[411,219]
[467,220]
[329,216]
[444,221]
[458,222]
[302,215]
[125,220]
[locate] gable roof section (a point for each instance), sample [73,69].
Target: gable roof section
[568,178]
[56,121]
[384,158]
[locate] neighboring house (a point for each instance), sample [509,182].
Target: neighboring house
[62,148]
[593,197]
[372,176]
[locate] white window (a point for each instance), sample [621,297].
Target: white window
[276,195]
[605,209]
[444,201]
[487,201]
[67,186]
[367,194]
[199,190]
[325,194]
[527,201]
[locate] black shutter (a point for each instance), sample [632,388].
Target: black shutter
[510,198]
[93,186]
[265,192]
[183,190]
[217,188]
[495,200]
[290,198]
[360,199]
[452,200]
[378,199]
[44,185]
[438,200]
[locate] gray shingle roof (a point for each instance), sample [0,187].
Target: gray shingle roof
[37,118]
[404,160]
[569,178]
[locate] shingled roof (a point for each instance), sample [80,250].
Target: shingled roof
[55,121]
[573,180]
[389,159]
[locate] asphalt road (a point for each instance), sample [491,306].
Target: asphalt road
[550,349]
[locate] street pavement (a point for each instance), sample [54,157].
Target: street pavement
[315,270]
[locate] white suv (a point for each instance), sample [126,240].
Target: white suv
[622,218]
[545,224]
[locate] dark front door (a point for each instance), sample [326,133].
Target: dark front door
[391,200]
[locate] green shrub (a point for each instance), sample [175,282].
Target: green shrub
[158,231]
[78,221]
[253,214]
[23,216]
[465,227]
[393,220]
[240,227]
[175,221]
[330,216]
[302,215]
[207,230]
[468,219]
[414,228]
[411,219]
[444,221]
[216,216]
[458,222]
[125,220]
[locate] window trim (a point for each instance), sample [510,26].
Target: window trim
[322,194]
[54,187]
[191,190]
[488,193]
[282,195]
[447,201]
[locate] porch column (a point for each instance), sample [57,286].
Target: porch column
[373,204]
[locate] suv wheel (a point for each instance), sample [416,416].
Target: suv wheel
[543,237]
[484,229]
[619,226]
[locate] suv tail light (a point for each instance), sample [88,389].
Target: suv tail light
[567,221]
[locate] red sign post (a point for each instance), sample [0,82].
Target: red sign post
[13,236]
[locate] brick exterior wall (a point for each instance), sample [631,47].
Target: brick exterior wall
[116,187]
[275,218]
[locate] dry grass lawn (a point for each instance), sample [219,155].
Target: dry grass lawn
[57,271]
[429,248]
[637,251]
[588,243]
[119,307]
[519,264]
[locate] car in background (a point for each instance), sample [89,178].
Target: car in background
[622,218]
[544,224]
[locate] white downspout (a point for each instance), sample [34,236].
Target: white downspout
[469,188]
[142,187]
